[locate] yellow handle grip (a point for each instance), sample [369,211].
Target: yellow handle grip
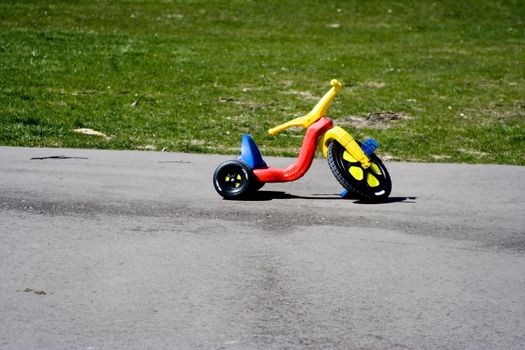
[277,129]
[294,122]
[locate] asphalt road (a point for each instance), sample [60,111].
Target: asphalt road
[135,250]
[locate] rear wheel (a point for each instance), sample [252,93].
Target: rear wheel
[372,184]
[233,179]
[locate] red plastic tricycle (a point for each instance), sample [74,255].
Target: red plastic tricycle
[354,164]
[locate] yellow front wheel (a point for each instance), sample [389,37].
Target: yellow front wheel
[372,184]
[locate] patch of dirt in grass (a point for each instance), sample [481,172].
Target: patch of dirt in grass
[305,95]
[502,111]
[247,105]
[251,88]
[374,84]
[91,132]
[147,148]
[224,99]
[287,83]
[376,120]
[88,93]
[196,142]
[473,152]
[440,157]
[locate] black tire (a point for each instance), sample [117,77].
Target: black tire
[233,180]
[370,185]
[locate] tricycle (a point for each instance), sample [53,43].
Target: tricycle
[354,164]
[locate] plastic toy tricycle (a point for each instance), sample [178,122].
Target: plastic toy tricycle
[354,164]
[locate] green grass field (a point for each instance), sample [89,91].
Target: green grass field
[193,75]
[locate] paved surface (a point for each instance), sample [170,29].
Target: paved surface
[135,250]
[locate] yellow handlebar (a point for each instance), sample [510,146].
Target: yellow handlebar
[315,114]
[295,122]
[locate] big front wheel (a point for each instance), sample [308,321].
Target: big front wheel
[372,184]
[233,179]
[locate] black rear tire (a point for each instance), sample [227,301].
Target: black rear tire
[233,179]
[370,185]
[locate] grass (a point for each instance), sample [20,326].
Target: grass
[194,75]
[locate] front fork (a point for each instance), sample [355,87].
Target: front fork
[347,141]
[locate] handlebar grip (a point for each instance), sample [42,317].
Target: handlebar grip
[274,131]
[294,122]
[335,82]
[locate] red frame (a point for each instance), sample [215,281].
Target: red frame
[306,155]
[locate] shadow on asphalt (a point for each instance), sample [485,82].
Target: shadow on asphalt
[270,195]
[390,200]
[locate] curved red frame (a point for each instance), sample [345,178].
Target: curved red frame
[306,155]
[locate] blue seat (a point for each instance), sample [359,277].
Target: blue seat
[250,153]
